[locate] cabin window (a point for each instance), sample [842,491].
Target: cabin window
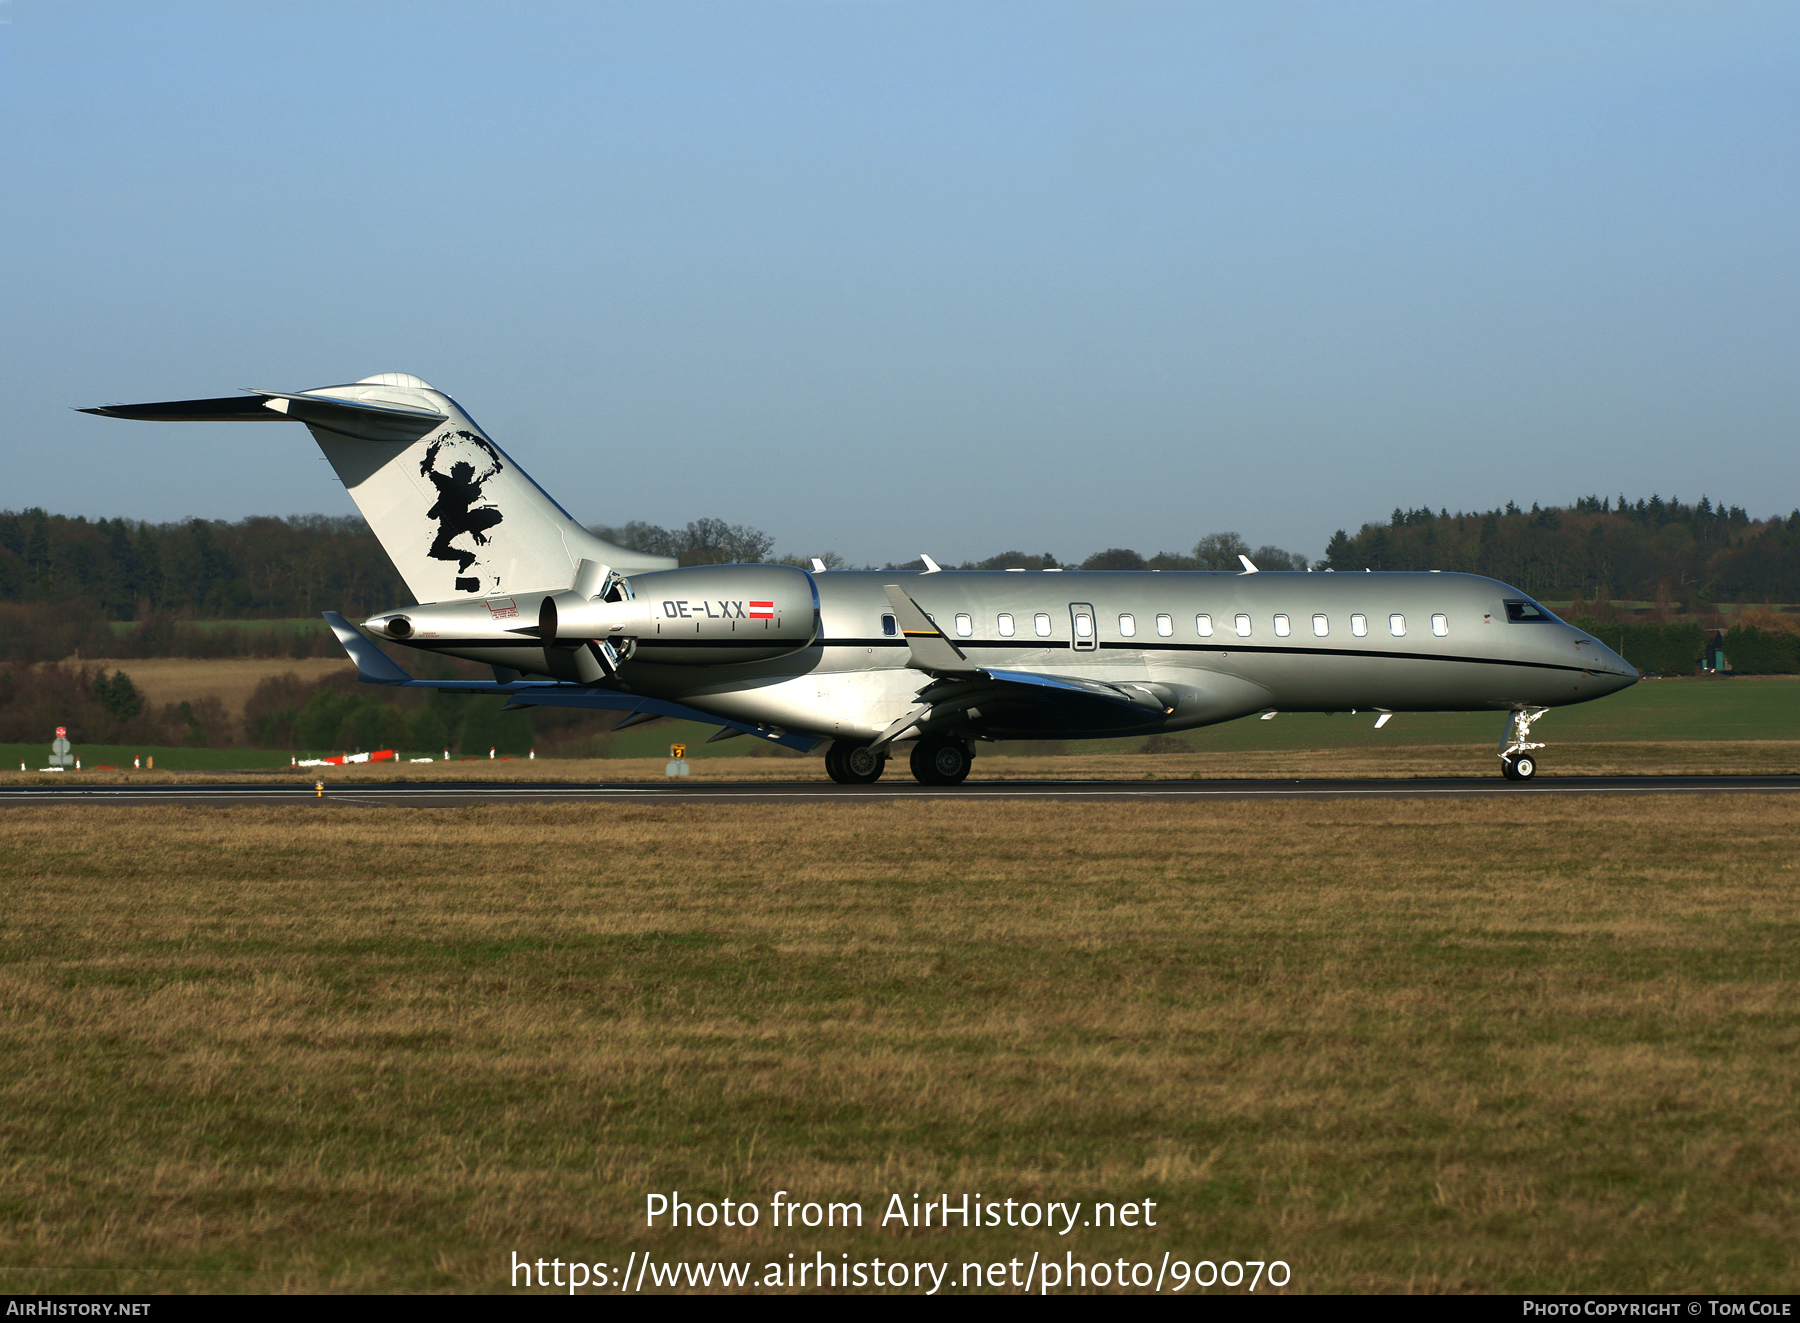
[1243,625]
[1084,625]
[888,627]
[1004,623]
[1165,626]
[1321,626]
[1203,626]
[1042,623]
[1440,625]
[1127,626]
[1397,626]
[1281,627]
[1359,624]
[965,625]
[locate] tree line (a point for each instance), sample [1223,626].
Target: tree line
[1691,556]
[259,568]
[1597,551]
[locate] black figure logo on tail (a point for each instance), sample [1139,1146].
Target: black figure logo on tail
[456,511]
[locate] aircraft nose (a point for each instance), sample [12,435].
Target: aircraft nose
[1610,667]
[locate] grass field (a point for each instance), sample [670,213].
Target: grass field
[1686,718]
[1492,1046]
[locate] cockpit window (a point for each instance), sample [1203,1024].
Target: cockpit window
[1528,613]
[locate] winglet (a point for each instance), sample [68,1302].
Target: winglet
[1248,567]
[373,666]
[931,566]
[931,651]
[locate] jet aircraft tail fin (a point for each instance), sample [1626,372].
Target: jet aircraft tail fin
[452,510]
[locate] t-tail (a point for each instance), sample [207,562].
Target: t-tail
[455,514]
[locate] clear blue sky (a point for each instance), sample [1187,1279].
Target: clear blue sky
[896,277]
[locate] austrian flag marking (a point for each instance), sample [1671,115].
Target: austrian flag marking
[762,610]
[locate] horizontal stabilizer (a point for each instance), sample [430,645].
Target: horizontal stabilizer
[363,419]
[232,409]
[373,666]
[459,519]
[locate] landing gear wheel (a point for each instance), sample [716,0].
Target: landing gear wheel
[834,763]
[941,762]
[1517,763]
[862,765]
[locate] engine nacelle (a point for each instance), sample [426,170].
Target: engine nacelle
[708,614]
[699,616]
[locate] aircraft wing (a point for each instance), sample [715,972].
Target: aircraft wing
[1137,697]
[1012,700]
[963,693]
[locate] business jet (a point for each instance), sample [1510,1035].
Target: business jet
[867,664]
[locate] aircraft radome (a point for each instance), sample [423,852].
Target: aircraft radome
[866,663]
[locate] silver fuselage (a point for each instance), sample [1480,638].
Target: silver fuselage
[855,680]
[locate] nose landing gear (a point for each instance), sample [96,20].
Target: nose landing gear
[1516,760]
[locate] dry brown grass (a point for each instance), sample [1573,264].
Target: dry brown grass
[1408,1045]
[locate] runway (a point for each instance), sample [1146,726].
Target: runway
[414,795]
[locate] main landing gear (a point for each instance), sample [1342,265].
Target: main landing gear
[852,764]
[1517,762]
[941,762]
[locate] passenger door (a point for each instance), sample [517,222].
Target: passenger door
[1081,626]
